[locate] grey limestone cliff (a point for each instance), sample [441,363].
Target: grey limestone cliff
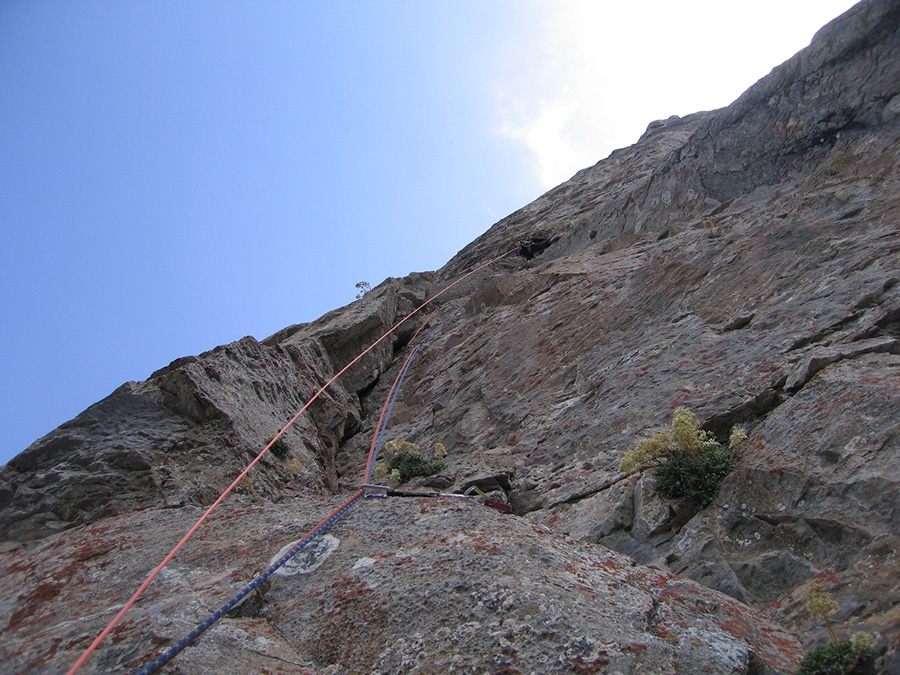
[743,263]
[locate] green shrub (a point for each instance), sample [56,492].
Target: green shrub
[839,658]
[409,464]
[280,448]
[412,464]
[405,460]
[695,478]
[685,437]
[691,463]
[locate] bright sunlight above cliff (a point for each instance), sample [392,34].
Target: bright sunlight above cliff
[178,174]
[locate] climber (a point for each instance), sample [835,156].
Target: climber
[528,248]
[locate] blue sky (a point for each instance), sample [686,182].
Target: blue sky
[175,175]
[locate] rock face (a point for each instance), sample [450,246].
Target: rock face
[741,262]
[181,436]
[447,586]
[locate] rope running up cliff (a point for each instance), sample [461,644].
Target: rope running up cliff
[139,592]
[320,529]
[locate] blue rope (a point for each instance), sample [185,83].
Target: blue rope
[387,415]
[160,661]
[436,328]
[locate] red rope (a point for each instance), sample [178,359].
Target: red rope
[140,591]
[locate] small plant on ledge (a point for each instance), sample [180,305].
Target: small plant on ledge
[280,448]
[690,463]
[847,656]
[406,460]
[712,232]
